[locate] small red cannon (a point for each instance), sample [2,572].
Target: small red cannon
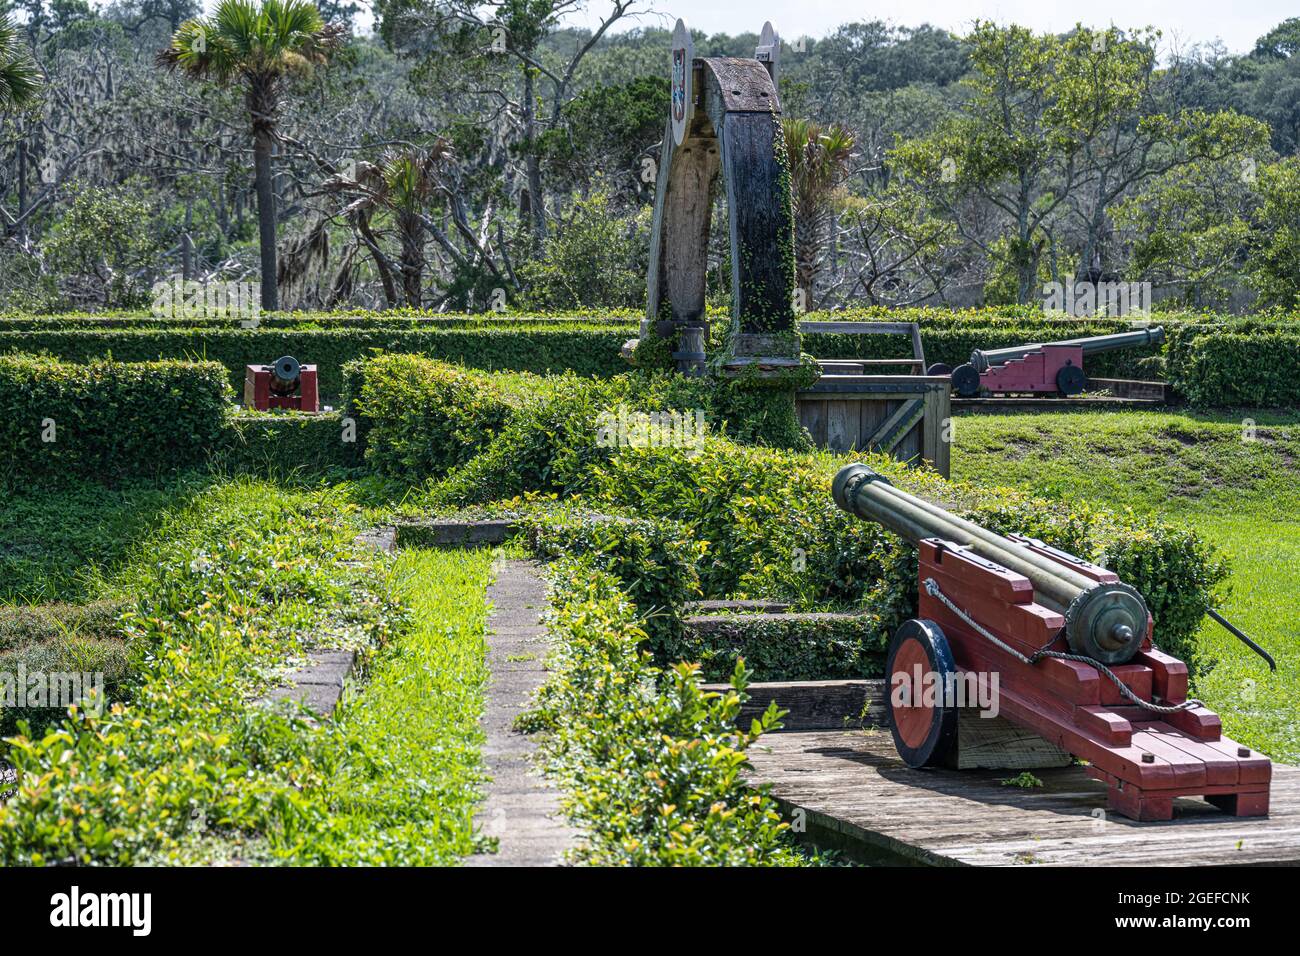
[286,384]
[1068,646]
[1052,368]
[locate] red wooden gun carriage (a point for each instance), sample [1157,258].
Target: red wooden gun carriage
[1071,647]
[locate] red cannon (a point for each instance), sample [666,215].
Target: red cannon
[1070,648]
[286,384]
[1051,368]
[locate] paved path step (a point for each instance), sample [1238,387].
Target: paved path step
[522,809]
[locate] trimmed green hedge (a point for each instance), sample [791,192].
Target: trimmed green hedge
[107,420]
[589,343]
[286,445]
[421,417]
[784,647]
[587,351]
[1257,371]
[653,560]
[649,763]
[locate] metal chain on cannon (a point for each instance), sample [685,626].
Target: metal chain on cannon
[933,589]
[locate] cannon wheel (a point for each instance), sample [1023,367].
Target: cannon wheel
[924,725]
[1070,380]
[966,381]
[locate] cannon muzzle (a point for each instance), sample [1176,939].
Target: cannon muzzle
[984,359]
[285,374]
[1106,622]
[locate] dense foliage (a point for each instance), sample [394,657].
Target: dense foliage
[423,417]
[650,763]
[1259,370]
[107,420]
[469,155]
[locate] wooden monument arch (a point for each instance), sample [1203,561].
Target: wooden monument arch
[724,121]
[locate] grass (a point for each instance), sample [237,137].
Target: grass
[1233,482]
[408,788]
[62,543]
[227,587]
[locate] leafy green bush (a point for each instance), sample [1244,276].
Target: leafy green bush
[784,647]
[1260,370]
[594,258]
[654,562]
[650,763]
[588,349]
[107,420]
[423,417]
[287,445]
[546,446]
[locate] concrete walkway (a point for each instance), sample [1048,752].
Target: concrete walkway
[521,809]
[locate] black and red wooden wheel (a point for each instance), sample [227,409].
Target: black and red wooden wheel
[922,717]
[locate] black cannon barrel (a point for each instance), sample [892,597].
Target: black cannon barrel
[984,359]
[285,374]
[1106,622]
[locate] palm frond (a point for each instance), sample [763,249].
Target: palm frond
[20,78]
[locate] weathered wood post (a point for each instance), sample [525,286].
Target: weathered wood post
[725,123]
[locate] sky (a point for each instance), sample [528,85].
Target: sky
[1182,22]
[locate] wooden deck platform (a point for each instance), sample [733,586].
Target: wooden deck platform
[859,797]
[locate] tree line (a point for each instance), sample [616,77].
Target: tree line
[469,156]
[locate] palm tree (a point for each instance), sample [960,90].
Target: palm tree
[258,48]
[819,164]
[404,183]
[20,80]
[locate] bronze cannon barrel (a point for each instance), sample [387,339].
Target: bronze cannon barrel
[1106,622]
[984,359]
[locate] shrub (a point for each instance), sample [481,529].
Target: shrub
[594,258]
[107,420]
[1259,370]
[654,562]
[784,647]
[650,763]
[423,417]
[548,445]
[287,445]
[586,348]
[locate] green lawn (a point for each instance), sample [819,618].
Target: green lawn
[1236,484]
[408,789]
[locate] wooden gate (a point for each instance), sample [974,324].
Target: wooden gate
[905,416]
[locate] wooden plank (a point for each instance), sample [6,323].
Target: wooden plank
[852,786]
[874,413]
[838,437]
[858,328]
[997,744]
[937,444]
[812,416]
[889,434]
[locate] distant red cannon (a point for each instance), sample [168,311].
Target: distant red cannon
[1052,367]
[286,384]
[1070,646]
